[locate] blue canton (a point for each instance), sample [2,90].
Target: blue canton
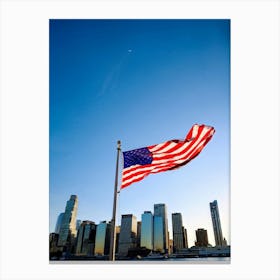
[139,156]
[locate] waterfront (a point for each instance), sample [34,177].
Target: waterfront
[206,260]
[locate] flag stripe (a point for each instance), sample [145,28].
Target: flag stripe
[168,155]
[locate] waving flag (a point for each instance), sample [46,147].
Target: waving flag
[169,155]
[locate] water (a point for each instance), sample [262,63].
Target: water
[216,260]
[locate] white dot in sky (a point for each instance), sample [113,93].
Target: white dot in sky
[130,50]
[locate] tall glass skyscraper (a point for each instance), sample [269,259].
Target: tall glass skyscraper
[68,230]
[158,234]
[102,239]
[58,223]
[160,210]
[86,238]
[128,234]
[214,210]
[178,231]
[147,230]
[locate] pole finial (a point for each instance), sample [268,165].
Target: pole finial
[119,144]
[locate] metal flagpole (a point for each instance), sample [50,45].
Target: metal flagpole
[113,221]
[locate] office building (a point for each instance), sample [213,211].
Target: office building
[201,238]
[58,223]
[102,238]
[86,238]
[138,242]
[185,238]
[78,223]
[159,235]
[214,210]
[68,230]
[160,210]
[128,234]
[147,231]
[178,232]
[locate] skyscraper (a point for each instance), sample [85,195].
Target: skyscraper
[78,223]
[139,224]
[102,238]
[178,231]
[86,238]
[147,230]
[58,223]
[128,234]
[214,210]
[68,230]
[185,238]
[160,210]
[158,234]
[201,237]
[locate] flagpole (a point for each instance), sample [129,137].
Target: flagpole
[113,221]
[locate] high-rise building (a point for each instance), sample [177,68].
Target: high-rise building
[139,224]
[58,223]
[128,234]
[68,230]
[160,210]
[185,239]
[214,210]
[118,230]
[201,237]
[53,239]
[147,230]
[158,234]
[78,223]
[102,238]
[86,238]
[178,232]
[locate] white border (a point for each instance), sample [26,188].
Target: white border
[254,137]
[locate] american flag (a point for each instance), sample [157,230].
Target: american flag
[169,155]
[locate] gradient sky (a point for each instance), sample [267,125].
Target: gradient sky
[142,82]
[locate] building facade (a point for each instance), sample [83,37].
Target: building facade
[147,231]
[68,230]
[214,210]
[59,223]
[102,239]
[158,235]
[201,238]
[86,238]
[178,232]
[128,234]
[160,210]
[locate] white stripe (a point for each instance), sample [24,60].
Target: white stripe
[157,147]
[166,149]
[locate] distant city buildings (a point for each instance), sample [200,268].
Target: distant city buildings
[59,223]
[147,231]
[102,239]
[68,230]
[160,228]
[201,238]
[86,238]
[128,234]
[216,223]
[133,238]
[180,239]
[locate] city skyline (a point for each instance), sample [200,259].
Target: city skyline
[148,222]
[142,82]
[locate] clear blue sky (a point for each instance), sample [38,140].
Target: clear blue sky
[142,82]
